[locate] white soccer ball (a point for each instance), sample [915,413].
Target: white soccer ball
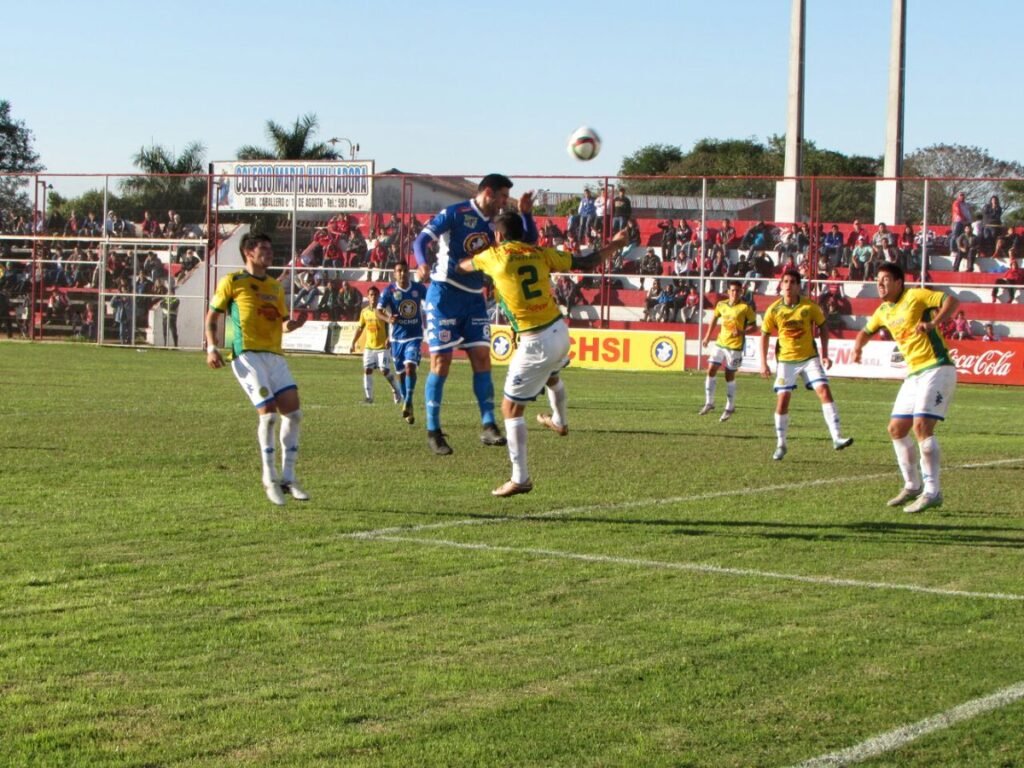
[584,144]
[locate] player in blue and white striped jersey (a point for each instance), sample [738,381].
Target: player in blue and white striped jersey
[456,312]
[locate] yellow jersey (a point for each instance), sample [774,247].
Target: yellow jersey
[795,326]
[522,279]
[736,318]
[920,350]
[256,309]
[376,329]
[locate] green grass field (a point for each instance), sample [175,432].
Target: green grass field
[639,608]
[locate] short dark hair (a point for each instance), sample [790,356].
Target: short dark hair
[510,225]
[895,270]
[251,239]
[736,284]
[793,273]
[494,182]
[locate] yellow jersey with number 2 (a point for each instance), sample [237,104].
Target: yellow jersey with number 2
[522,279]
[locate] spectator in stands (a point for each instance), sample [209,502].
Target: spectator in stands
[719,267]
[89,321]
[600,208]
[121,303]
[666,308]
[393,257]
[990,333]
[587,214]
[114,226]
[669,237]
[330,302]
[308,296]
[756,241]
[650,264]
[861,260]
[691,305]
[90,227]
[960,217]
[6,313]
[1013,276]
[152,267]
[622,210]
[633,230]
[882,237]
[378,257]
[651,301]
[190,260]
[150,227]
[1005,243]
[552,234]
[833,291]
[72,225]
[992,221]
[684,237]
[567,293]
[832,246]
[966,246]
[905,245]
[351,301]
[723,237]
[961,326]
[168,304]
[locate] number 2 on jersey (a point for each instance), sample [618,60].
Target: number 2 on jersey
[530,279]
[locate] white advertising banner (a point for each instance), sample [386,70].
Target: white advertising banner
[880,359]
[279,186]
[321,336]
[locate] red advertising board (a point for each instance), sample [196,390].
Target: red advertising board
[989,362]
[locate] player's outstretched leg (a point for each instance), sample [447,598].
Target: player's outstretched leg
[410,387]
[520,482]
[557,420]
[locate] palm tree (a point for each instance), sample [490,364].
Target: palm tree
[166,184]
[293,144]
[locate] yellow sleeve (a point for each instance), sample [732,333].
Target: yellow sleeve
[750,316]
[223,296]
[768,325]
[874,322]
[481,261]
[817,314]
[282,306]
[933,299]
[558,261]
[718,310]
[362,318]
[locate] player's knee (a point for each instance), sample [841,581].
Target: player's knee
[923,429]
[825,394]
[294,416]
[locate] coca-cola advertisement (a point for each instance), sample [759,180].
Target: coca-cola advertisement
[989,362]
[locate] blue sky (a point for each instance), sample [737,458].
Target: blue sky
[450,87]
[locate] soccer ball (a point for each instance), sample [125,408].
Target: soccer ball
[584,144]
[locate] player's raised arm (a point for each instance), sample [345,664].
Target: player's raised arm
[292,323]
[601,255]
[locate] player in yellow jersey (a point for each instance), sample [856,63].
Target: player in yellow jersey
[375,349]
[913,316]
[795,319]
[737,318]
[522,280]
[254,303]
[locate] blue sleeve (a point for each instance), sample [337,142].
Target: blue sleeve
[530,229]
[385,299]
[438,225]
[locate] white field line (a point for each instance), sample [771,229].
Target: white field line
[828,581]
[887,742]
[622,505]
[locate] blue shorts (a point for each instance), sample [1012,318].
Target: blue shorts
[406,351]
[455,318]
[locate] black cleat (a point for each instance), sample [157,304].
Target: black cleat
[491,435]
[437,443]
[408,415]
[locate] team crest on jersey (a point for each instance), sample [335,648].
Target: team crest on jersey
[444,335]
[475,243]
[470,221]
[264,392]
[407,309]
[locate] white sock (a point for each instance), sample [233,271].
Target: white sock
[515,432]
[394,384]
[289,444]
[730,395]
[781,427]
[831,414]
[368,385]
[710,382]
[265,435]
[930,465]
[557,400]
[906,457]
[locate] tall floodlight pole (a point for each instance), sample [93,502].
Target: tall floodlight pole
[887,189]
[787,191]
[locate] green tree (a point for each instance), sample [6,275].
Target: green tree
[956,161]
[16,156]
[172,181]
[290,144]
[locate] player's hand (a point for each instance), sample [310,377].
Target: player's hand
[765,372]
[856,355]
[423,272]
[704,343]
[619,238]
[526,202]
[352,349]
[827,362]
[924,327]
[213,358]
[298,321]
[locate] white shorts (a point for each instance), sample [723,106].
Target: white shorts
[811,369]
[926,394]
[732,359]
[537,358]
[263,376]
[377,358]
